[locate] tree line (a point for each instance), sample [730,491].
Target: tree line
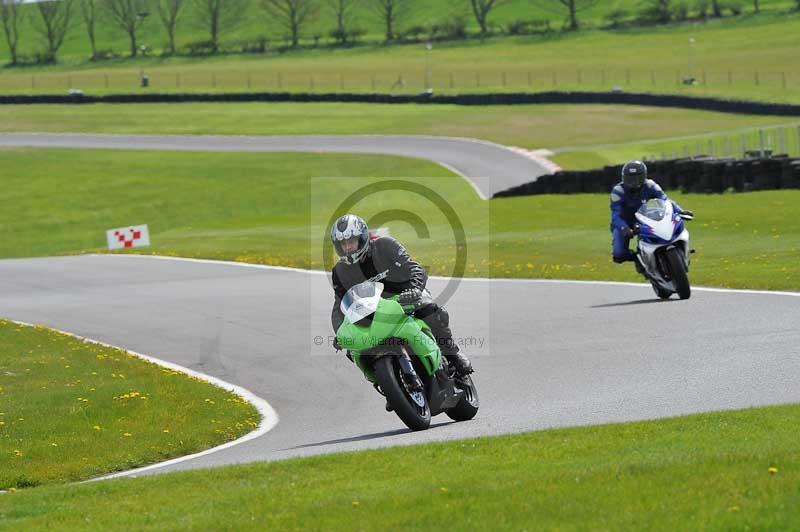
[53,18]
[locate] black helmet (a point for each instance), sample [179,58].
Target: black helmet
[350,237]
[633,175]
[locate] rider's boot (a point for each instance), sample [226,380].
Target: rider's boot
[459,361]
[439,321]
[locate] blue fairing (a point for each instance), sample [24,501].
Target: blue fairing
[646,235]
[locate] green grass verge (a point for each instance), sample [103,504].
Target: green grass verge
[268,208]
[728,59]
[729,470]
[71,410]
[632,130]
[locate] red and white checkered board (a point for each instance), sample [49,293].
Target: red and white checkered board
[128,237]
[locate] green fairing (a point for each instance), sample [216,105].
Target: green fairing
[389,321]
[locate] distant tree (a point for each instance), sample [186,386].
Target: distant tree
[572,8]
[343,13]
[291,14]
[11,15]
[168,12]
[89,15]
[54,23]
[391,11]
[219,16]
[481,10]
[716,8]
[755,6]
[128,15]
[659,10]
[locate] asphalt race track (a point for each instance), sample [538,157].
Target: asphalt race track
[547,353]
[489,167]
[554,353]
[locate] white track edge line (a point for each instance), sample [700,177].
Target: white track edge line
[269,418]
[442,278]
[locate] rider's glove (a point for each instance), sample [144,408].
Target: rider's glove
[409,298]
[690,214]
[627,232]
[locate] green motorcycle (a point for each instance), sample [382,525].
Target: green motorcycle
[400,357]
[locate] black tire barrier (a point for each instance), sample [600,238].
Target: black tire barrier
[622,98]
[698,174]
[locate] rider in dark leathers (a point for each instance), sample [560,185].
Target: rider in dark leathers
[384,259]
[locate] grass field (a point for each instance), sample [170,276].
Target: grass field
[721,471]
[224,206]
[70,410]
[728,59]
[586,136]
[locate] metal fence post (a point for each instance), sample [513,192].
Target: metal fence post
[797,139]
[761,142]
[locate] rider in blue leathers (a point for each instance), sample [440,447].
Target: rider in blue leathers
[626,198]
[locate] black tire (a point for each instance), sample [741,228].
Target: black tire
[677,270]
[467,407]
[660,292]
[387,374]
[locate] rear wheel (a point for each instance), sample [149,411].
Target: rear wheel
[677,270]
[411,406]
[467,407]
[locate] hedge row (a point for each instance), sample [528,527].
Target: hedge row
[655,100]
[702,174]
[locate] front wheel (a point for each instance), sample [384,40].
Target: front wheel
[677,270]
[467,407]
[404,401]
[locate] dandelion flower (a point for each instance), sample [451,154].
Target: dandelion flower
[127,434]
[96,427]
[772,470]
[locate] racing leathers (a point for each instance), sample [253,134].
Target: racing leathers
[389,263]
[624,204]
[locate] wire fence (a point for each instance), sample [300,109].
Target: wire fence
[763,142]
[388,81]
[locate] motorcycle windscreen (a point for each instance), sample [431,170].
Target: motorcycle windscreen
[361,301]
[655,209]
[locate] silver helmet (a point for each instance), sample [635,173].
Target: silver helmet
[350,237]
